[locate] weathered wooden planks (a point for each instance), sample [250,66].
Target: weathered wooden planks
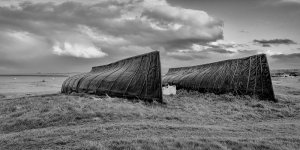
[245,76]
[135,77]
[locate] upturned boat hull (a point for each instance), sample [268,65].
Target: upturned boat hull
[244,76]
[136,77]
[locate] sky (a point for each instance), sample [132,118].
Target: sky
[73,35]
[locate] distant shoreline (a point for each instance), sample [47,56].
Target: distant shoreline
[38,75]
[42,74]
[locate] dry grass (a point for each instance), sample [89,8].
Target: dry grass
[188,120]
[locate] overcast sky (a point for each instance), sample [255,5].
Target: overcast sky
[73,36]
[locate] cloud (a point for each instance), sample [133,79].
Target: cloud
[294,3]
[186,56]
[77,50]
[290,1]
[287,56]
[244,31]
[248,52]
[45,33]
[114,23]
[219,50]
[198,52]
[267,43]
[20,45]
[225,44]
[291,60]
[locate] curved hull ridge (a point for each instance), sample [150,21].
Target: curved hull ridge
[244,76]
[135,77]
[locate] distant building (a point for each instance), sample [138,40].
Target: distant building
[285,73]
[294,74]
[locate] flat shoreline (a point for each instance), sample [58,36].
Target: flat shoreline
[41,75]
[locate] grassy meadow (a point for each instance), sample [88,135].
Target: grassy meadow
[188,120]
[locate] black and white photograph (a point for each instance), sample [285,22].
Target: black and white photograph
[150,74]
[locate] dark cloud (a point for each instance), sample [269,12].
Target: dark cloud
[287,56]
[187,56]
[183,44]
[211,54]
[225,44]
[108,29]
[286,60]
[248,52]
[143,23]
[219,50]
[198,53]
[244,31]
[288,2]
[267,43]
[200,57]
[182,57]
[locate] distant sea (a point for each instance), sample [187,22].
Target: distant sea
[18,86]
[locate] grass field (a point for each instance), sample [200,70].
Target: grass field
[188,120]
